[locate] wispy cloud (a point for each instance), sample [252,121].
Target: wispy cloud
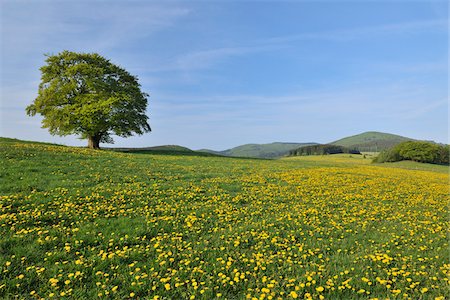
[412,101]
[417,110]
[204,59]
[346,34]
[289,82]
[207,58]
[244,118]
[27,26]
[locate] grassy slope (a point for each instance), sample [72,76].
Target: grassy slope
[371,141]
[139,225]
[4,141]
[412,165]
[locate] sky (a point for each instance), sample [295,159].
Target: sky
[226,73]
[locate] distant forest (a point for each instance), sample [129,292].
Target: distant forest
[322,150]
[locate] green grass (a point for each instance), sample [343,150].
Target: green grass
[343,159]
[4,140]
[366,158]
[412,165]
[82,224]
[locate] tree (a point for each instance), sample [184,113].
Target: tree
[419,151]
[87,95]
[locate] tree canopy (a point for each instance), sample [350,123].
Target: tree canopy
[322,150]
[87,95]
[416,151]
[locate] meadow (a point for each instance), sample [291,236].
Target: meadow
[84,224]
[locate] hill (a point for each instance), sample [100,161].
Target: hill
[165,150]
[371,141]
[272,150]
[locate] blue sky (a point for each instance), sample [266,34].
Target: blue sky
[225,73]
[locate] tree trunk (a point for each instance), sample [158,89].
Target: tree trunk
[94,142]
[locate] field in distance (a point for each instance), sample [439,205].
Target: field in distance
[83,224]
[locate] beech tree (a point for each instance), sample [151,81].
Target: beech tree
[87,95]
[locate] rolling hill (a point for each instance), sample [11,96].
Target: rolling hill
[371,141]
[165,150]
[272,150]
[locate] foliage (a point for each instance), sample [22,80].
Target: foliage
[111,225]
[321,150]
[371,141]
[87,95]
[424,152]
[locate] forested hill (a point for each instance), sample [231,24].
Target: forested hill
[371,141]
[272,150]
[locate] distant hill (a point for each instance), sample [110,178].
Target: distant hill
[371,141]
[322,149]
[272,150]
[165,150]
[210,151]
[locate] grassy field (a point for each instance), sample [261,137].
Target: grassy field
[83,224]
[366,159]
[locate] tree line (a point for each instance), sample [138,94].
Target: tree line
[424,152]
[322,150]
